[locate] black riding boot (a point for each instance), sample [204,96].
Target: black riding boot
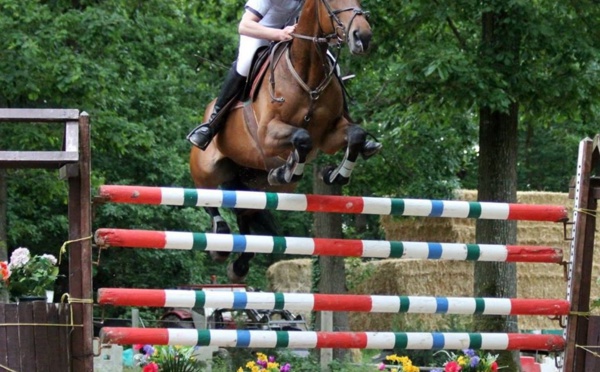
[233,85]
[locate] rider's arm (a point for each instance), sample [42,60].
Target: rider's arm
[249,26]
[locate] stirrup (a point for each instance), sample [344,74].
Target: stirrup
[201,136]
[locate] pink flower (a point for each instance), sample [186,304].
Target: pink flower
[151,367]
[494,366]
[381,366]
[452,366]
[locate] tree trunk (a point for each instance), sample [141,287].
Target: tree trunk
[332,278]
[497,182]
[3,226]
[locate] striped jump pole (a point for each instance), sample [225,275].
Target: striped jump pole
[331,203]
[325,247]
[330,302]
[337,340]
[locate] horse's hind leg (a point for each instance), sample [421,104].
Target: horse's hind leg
[238,269]
[356,139]
[219,226]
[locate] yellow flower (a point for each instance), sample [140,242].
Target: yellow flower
[272,365]
[250,364]
[240,369]
[462,361]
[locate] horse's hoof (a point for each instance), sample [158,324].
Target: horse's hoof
[274,178]
[326,176]
[234,275]
[370,148]
[220,227]
[218,256]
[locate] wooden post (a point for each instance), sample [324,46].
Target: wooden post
[581,260]
[80,256]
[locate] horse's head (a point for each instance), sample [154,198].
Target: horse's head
[347,20]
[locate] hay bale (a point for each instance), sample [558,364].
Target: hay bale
[444,278]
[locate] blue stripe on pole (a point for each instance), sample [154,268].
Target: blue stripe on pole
[239,243]
[438,341]
[243,338]
[442,305]
[435,251]
[229,199]
[240,300]
[437,208]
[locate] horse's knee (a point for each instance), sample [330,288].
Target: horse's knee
[302,142]
[356,135]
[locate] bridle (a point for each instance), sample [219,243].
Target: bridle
[339,35]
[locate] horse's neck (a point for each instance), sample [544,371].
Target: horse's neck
[308,58]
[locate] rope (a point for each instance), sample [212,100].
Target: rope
[589,212]
[63,248]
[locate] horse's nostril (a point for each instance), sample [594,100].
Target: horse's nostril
[362,38]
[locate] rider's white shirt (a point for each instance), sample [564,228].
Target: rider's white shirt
[275,13]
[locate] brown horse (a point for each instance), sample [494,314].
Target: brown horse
[296,111]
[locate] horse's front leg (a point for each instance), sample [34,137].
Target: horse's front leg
[357,144]
[283,138]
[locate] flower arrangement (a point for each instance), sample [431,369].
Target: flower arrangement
[469,360]
[403,362]
[4,274]
[29,275]
[265,364]
[167,358]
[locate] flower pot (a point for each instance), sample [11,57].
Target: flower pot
[32,298]
[49,296]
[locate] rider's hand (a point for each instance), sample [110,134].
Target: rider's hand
[286,33]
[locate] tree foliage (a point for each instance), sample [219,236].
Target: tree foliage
[144,71]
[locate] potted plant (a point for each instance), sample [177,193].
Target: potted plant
[31,276]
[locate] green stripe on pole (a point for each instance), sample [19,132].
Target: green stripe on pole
[199,241]
[279,301]
[473,252]
[203,338]
[190,197]
[474,210]
[475,341]
[396,249]
[397,207]
[200,299]
[479,305]
[279,244]
[272,200]
[283,339]
[401,340]
[404,304]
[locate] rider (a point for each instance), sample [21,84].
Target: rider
[263,21]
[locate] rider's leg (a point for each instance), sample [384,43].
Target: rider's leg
[233,85]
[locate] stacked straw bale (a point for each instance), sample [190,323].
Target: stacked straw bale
[444,278]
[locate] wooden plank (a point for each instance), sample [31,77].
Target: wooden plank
[592,362]
[44,347]
[3,344]
[37,159]
[64,363]
[11,316]
[26,334]
[52,333]
[71,141]
[39,115]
